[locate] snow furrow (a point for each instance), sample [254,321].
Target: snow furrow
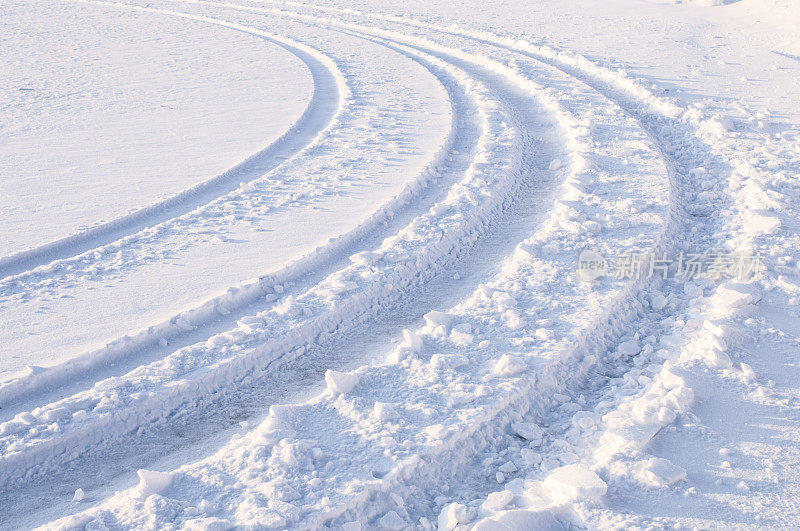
[329,96]
[249,298]
[348,161]
[579,312]
[414,372]
[636,423]
[670,147]
[691,334]
[151,392]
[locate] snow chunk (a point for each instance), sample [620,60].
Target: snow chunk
[658,301]
[757,224]
[718,126]
[436,318]
[718,359]
[556,164]
[392,521]
[508,467]
[78,496]
[574,482]
[670,380]
[748,373]
[730,296]
[629,348]
[497,501]
[366,258]
[340,382]
[151,482]
[508,366]
[530,457]
[585,419]
[412,340]
[34,369]
[528,431]
[659,472]
[382,411]
[452,514]
[461,338]
[436,431]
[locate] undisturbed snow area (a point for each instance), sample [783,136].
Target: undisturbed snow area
[359,264]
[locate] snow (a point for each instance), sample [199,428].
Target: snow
[451,516]
[659,472]
[436,318]
[497,501]
[151,482]
[340,382]
[520,519]
[528,431]
[505,265]
[392,521]
[176,98]
[573,482]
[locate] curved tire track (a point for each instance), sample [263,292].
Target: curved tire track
[616,320]
[682,152]
[287,348]
[222,312]
[329,93]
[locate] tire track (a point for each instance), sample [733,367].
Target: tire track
[330,92]
[161,403]
[281,414]
[681,152]
[222,313]
[679,165]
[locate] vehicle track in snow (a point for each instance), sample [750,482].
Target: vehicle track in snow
[681,153]
[685,153]
[221,313]
[429,471]
[545,162]
[452,161]
[328,96]
[373,149]
[193,324]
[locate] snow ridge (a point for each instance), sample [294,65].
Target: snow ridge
[534,399]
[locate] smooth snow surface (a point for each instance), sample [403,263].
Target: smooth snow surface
[354,265]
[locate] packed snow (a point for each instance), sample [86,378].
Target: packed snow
[348,264]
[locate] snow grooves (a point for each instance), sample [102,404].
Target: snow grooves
[676,133]
[525,384]
[419,194]
[280,425]
[183,375]
[330,94]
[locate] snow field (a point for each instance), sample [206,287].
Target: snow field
[247,219]
[538,400]
[66,62]
[505,366]
[318,310]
